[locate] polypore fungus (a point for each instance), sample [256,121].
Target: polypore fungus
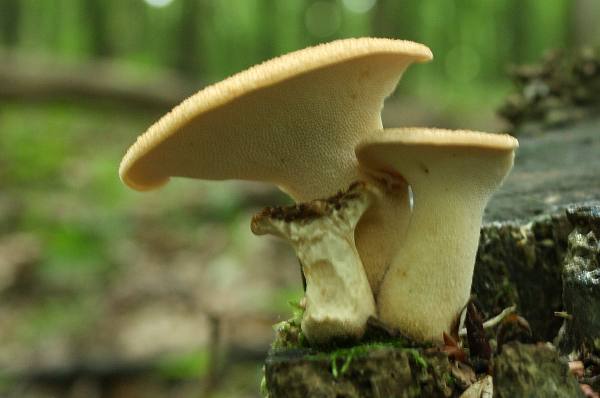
[293,121]
[338,298]
[452,175]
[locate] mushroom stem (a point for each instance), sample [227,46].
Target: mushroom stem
[338,296]
[423,276]
[452,176]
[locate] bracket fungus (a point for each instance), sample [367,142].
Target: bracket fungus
[338,299]
[452,174]
[293,121]
[310,123]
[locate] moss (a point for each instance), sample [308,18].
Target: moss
[340,359]
[449,379]
[264,390]
[339,355]
[418,358]
[368,369]
[348,354]
[288,334]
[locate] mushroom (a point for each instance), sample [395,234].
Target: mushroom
[452,175]
[338,299]
[293,121]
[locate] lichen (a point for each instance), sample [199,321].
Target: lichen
[581,282]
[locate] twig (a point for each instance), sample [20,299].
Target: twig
[563,314]
[493,321]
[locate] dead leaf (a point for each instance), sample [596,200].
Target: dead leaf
[478,344]
[588,391]
[484,388]
[576,368]
[453,350]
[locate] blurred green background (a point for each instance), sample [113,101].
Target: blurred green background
[105,292]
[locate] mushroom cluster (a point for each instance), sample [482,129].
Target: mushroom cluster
[310,123]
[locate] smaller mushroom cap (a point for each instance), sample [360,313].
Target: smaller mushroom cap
[434,137]
[414,152]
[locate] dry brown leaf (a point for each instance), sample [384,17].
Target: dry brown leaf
[588,391]
[453,350]
[484,388]
[576,368]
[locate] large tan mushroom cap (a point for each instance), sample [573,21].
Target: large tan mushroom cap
[452,175]
[293,121]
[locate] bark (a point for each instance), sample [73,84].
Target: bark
[10,13]
[33,78]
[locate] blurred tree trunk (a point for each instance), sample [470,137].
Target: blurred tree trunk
[35,78]
[306,38]
[395,19]
[267,11]
[188,59]
[583,24]
[518,19]
[97,15]
[382,24]
[10,12]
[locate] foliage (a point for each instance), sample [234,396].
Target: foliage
[190,365]
[562,89]
[473,41]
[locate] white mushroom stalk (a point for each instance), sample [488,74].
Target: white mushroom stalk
[452,175]
[338,298]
